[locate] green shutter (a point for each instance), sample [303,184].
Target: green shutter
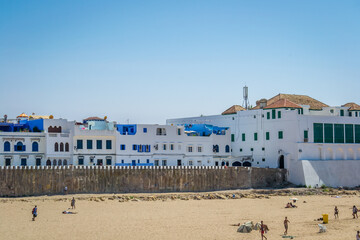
[329,133]
[280,134]
[357,133]
[339,133]
[349,133]
[268,115]
[233,137]
[302,111]
[306,134]
[279,114]
[318,133]
[243,137]
[255,136]
[341,112]
[273,114]
[267,135]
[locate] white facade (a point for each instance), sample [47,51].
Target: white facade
[285,138]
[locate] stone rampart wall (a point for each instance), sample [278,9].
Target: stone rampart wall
[30,181]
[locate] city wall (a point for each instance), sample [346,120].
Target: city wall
[31,181]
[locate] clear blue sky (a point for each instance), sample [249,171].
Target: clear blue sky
[151,60]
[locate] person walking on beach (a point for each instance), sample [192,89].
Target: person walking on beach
[73,203]
[336,212]
[355,210]
[358,235]
[263,229]
[34,213]
[286,225]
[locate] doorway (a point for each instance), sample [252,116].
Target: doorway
[281,162]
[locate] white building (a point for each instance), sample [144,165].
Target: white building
[318,144]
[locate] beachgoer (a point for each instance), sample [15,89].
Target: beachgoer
[355,210]
[65,190]
[336,212]
[73,203]
[286,225]
[263,229]
[34,213]
[293,205]
[358,235]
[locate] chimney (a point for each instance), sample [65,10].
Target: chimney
[262,103]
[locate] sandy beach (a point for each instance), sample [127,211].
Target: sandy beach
[107,217]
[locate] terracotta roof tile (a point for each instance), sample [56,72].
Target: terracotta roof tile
[352,106]
[233,109]
[282,103]
[93,118]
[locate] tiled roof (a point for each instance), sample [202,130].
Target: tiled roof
[233,109]
[23,115]
[93,118]
[282,103]
[352,106]
[297,99]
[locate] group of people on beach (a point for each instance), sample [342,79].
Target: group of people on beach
[354,212]
[34,212]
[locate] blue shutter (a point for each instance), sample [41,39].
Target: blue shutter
[24,148]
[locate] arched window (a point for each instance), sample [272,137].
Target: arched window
[19,147]
[6,146]
[61,147]
[54,162]
[65,162]
[227,148]
[56,147]
[35,146]
[48,163]
[59,162]
[66,147]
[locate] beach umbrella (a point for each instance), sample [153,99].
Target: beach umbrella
[294,198]
[244,228]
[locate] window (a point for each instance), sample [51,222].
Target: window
[108,161]
[199,149]
[263,149]
[164,147]
[255,136]
[171,147]
[179,131]
[81,160]
[349,133]
[350,114]
[306,134]
[233,137]
[19,147]
[273,114]
[199,163]
[66,147]
[215,148]
[161,131]
[243,137]
[7,161]
[252,149]
[357,133]
[356,114]
[328,130]
[59,162]
[89,144]
[145,130]
[35,147]
[190,149]
[23,162]
[342,112]
[38,161]
[267,135]
[133,162]
[6,146]
[179,162]
[54,162]
[61,147]
[318,133]
[268,115]
[279,114]
[227,148]
[56,147]
[263,159]
[156,147]
[164,162]
[122,160]
[65,162]
[134,147]
[280,135]
[122,147]
[79,144]
[339,133]
[190,163]
[216,163]
[240,149]
[147,160]
[108,144]
[98,144]
[156,162]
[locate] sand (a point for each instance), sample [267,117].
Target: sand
[173,219]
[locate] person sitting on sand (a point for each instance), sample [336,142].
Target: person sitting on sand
[73,203]
[293,205]
[286,225]
[358,235]
[68,212]
[263,229]
[336,212]
[355,210]
[34,213]
[288,205]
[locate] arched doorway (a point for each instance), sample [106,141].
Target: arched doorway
[247,164]
[48,163]
[236,164]
[281,162]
